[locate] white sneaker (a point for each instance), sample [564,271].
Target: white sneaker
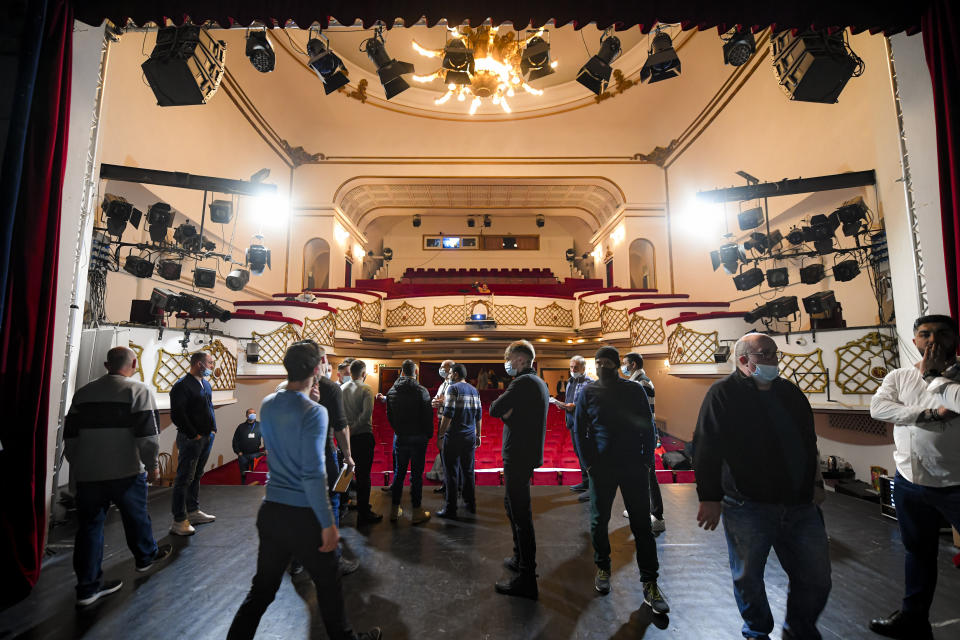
[108,587]
[199,517]
[182,528]
[657,525]
[626,515]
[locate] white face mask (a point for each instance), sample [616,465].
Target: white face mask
[766,372]
[508,367]
[625,369]
[443,373]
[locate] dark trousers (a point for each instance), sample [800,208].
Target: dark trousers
[457,456]
[584,477]
[93,500]
[245,460]
[919,512]
[186,486]
[412,451]
[362,447]
[516,500]
[291,532]
[656,498]
[633,485]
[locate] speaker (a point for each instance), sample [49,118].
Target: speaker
[185,67]
[813,66]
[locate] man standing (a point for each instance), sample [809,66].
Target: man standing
[523,409]
[358,405]
[922,402]
[191,407]
[459,425]
[295,519]
[755,455]
[343,373]
[615,429]
[411,418]
[632,367]
[247,444]
[111,441]
[578,380]
[445,368]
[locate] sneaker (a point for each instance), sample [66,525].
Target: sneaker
[420,515]
[395,513]
[372,634]
[657,525]
[602,582]
[199,517]
[654,598]
[346,567]
[163,551]
[522,586]
[108,587]
[182,528]
[580,487]
[447,513]
[902,624]
[626,514]
[295,568]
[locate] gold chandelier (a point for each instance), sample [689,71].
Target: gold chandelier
[484,63]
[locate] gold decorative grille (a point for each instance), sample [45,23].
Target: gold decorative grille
[371,312]
[686,346]
[348,319]
[614,320]
[274,345]
[173,366]
[138,350]
[589,312]
[856,371]
[322,329]
[225,371]
[407,315]
[805,370]
[449,314]
[553,315]
[858,422]
[646,331]
[508,314]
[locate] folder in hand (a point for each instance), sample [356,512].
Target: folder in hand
[343,480]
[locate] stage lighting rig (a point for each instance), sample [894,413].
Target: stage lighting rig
[164,300]
[221,211]
[535,62]
[257,256]
[595,75]
[738,45]
[852,215]
[750,219]
[190,304]
[812,273]
[795,236]
[216,311]
[169,269]
[326,64]
[662,60]
[823,246]
[759,313]
[783,307]
[820,304]
[458,62]
[777,278]
[238,279]
[204,278]
[748,279]
[823,227]
[118,213]
[159,219]
[846,270]
[138,266]
[729,255]
[762,243]
[186,236]
[260,51]
[389,69]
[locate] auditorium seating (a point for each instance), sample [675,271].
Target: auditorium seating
[396,290]
[467,276]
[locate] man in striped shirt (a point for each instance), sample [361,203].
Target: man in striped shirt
[459,426]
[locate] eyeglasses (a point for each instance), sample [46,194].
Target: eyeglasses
[767,354]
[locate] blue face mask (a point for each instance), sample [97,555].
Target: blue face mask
[766,372]
[207,373]
[252,417]
[443,373]
[508,367]
[625,369]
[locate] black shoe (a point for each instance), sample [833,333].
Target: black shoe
[522,586]
[583,497]
[295,568]
[905,625]
[346,567]
[440,489]
[579,488]
[446,513]
[386,488]
[512,563]
[108,587]
[369,517]
[654,598]
[472,508]
[372,634]
[163,552]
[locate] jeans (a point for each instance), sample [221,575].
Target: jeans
[245,460]
[584,476]
[636,498]
[409,450]
[291,532]
[457,455]
[798,535]
[656,498]
[919,512]
[516,500]
[362,446]
[93,500]
[186,485]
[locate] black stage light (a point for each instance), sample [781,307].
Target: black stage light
[814,66]
[207,245]
[416,221]
[823,246]
[662,61]
[163,300]
[795,236]
[595,75]
[778,277]
[169,269]
[852,215]
[185,67]
[258,257]
[211,308]
[846,270]
[812,273]
[119,212]
[238,279]
[750,219]
[387,254]
[820,303]
[571,255]
[186,236]
[763,311]
[204,278]
[471,222]
[540,220]
[221,211]
[190,304]
[783,307]
[486,221]
[159,219]
[851,229]
[388,69]
[762,243]
[824,226]
[457,62]
[729,255]
[535,61]
[260,51]
[137,266]
[326,64]
[748,279]
[722,354]
[739,46]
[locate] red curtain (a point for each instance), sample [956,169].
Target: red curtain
[940,28]
[26,336]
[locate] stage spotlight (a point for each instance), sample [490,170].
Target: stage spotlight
[207,245]
[191,304]
[486,221]
[540,220]
[137,266]
[221,211]
[471,222]
[783,307]
[260,51]
[169,269]
[729,255]
[571,255]
[159,219]
[762,243]
[258,257]
[119,212]
[662,61]
[748,279]
[388,69]
[595,75]
[163,300]
[812,273]
[823,226]
[852,215]
[238,279]
[763,311]
[204,278]
[777,278]
[739,46]
[823,246]
[211,308]
[416,221]
[821,303]
[795,236]
[750,219]
[458,63]
[186,236]
[846,270]
[387,254]
[535,62]
[326,64]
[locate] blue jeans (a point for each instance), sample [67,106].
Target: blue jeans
[457,456]
[409,450]
[93,500]
[186,486]
[798,536]
[919,511]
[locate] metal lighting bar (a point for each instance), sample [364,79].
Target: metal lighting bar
[791,187]
[185,180]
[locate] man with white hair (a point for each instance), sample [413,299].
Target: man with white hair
[755,455]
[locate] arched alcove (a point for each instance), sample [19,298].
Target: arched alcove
[643,271]
[316,264]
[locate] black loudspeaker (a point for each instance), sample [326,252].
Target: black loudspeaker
[813,66]
[143,312]
[185,67]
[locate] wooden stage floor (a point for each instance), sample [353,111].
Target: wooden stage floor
[436,580]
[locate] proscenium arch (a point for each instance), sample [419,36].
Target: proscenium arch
[316,264]
[643,264]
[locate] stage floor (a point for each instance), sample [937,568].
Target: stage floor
[436,580]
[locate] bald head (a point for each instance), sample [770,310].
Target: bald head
[121,361]
[754,348]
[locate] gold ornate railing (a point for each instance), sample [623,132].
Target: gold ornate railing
[686,346]
[348,319]
[137,349]
[322,329]
[371,312]
[614,320]
[406,315]
[646,331]
[857,371]
[805,370]
[589,312]
[553,315]
[274,345]
[173,366]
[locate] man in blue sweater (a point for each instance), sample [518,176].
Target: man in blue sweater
[295,519]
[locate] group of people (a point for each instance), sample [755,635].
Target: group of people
[313,427]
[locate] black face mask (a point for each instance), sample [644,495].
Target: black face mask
[607,374]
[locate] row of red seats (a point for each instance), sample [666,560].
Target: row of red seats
[477,272]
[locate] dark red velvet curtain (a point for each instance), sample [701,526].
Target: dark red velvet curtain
[26,336]
[941,29]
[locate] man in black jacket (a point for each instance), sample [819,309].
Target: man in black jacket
[523,409]
[191,407]
[247,444]
[755,455]
[411,417]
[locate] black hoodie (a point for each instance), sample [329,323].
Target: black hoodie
[408,408]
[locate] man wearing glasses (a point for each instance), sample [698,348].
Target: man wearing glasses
[755,455]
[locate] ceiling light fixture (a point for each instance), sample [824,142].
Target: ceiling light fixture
[389,69]
[662,60]
[595,75]
[260,51]
[738,45]
[325,63]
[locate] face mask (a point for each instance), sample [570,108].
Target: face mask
[625,370]
[252,417]
[207,373]
[766,372]
[508,367]
[607,373]
[443,373]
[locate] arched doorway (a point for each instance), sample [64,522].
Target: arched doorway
[643,271]
[316,264]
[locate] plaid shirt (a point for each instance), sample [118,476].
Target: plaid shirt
[462,405]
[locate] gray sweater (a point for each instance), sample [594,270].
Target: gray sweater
[111,430]
[358,405]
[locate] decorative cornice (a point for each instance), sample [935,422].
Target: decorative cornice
[360,93]
[658,156]
[621,85]
[299,155]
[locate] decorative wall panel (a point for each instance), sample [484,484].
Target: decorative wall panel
[322,329]
[138,350]
[646,332]
[589,312]
[686,346]
[449,315]
[862,364]
[553,315]
[805,370]
[371,312]
[509,315]
[614,320]
[348,319]
[173,366]
[407,315]
[274,345]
